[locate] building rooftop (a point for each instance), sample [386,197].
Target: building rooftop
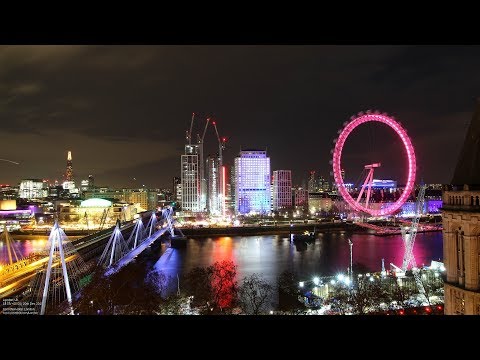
[467,170]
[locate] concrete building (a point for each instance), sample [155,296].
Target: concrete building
[282,190]
[461,228]
[312,182]
[177,191]
[300,197]
[318,202]
[252,182]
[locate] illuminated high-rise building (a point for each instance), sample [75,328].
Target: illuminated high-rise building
[69,171]
[190,179]
[214,192]
[461,230]
[312,182]
[252,182]
[282,189]
[91,182]
[177,191]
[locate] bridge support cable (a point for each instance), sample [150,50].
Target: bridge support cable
[13,253]
[60,276]
[152,224]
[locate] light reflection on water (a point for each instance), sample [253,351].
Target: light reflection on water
[23,248]
[269,255]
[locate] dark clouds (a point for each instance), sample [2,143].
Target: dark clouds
[123,110]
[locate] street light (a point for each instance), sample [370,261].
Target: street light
[316,280]
[351,258]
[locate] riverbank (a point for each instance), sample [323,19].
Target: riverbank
[268,230]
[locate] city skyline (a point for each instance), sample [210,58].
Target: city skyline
[123,110]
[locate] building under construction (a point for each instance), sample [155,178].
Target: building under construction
[201,192]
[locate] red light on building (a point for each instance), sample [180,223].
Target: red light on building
[223,191]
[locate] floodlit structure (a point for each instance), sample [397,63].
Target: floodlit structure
[461,228]
[357,204]
[252,182]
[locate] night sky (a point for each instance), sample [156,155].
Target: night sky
[123,110]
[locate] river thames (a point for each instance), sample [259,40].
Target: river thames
[269,255]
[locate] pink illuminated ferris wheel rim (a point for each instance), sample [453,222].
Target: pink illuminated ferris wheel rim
[337,156]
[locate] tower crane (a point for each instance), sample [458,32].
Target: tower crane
[188,135]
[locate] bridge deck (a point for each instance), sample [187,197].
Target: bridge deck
[135,252]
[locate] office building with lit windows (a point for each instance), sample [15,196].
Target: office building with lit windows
[252,182]
[282,190]
[190,179]
[33,189]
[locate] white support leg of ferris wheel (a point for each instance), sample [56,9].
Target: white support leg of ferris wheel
[368,183]
[369,189]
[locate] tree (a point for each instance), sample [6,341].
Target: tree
[121,292]
[214,288]
[198,283]
[255,293]
[224,285]
[288,293]
[339,300]
[366,295]
[399,293]
[430,283]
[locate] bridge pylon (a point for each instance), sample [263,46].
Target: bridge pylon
[152,224]
[60,276]
[116,248]
[137,235]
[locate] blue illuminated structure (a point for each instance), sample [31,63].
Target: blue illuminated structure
[384,184]
[252,182]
